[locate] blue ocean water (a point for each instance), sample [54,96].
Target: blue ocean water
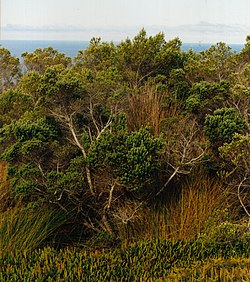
[71,48]
[198,47]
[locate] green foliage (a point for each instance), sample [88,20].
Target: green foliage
[41,59]
[134,60]
[207,96]
[10,70]
[140,261]
[28,146]
[213,270]
[98,56]
[228,231]
[212,65]
[132,156]
[223,124]
[178,84]
[67,145]
[244,55]
[71,179]
[25,136]
[13,104]
[237,150]
[145,57]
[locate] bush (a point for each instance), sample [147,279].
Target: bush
[132,156]
[223,124]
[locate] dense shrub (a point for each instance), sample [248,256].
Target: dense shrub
[223,124]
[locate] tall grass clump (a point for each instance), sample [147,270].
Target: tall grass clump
[188,215]
[4,187]
[24,229]
[3,173]
[150,107]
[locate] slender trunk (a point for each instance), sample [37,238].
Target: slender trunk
[87,169]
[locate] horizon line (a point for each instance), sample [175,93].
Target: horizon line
[118,41]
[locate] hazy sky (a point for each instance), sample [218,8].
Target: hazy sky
[192,20]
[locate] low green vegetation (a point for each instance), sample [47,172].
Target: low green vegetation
[129,162]
[144,261]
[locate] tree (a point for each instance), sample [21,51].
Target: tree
[243,56]
[41,59]
[237,153]
[133,157]
[145,57]
[184,150]
[13,104]
[98,56]
[212,65]
[10,70]
[28,146]
[240,90]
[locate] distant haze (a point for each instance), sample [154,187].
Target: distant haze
[192,21]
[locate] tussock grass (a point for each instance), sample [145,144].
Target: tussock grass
[23,229]
[189,215]
[148,108]
[3,173]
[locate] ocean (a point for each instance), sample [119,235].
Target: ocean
[71,48]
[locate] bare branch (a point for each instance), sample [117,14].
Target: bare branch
[125,217]
[182,152]
[239,196]
[110,195]
[169,179]
[41,170]
[93,118]
[109,122]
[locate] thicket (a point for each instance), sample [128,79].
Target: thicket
[132,140]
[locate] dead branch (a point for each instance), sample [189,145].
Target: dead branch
[239,196]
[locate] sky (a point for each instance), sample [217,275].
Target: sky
[193,21]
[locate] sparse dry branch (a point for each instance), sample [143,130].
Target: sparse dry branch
[126,214]
[184,154]
[239,196]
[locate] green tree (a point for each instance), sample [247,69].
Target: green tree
[212,65]
[236,155]
[41,59]
[98,56]
[240,90]
[10,70]
[145,57]
[13,105]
